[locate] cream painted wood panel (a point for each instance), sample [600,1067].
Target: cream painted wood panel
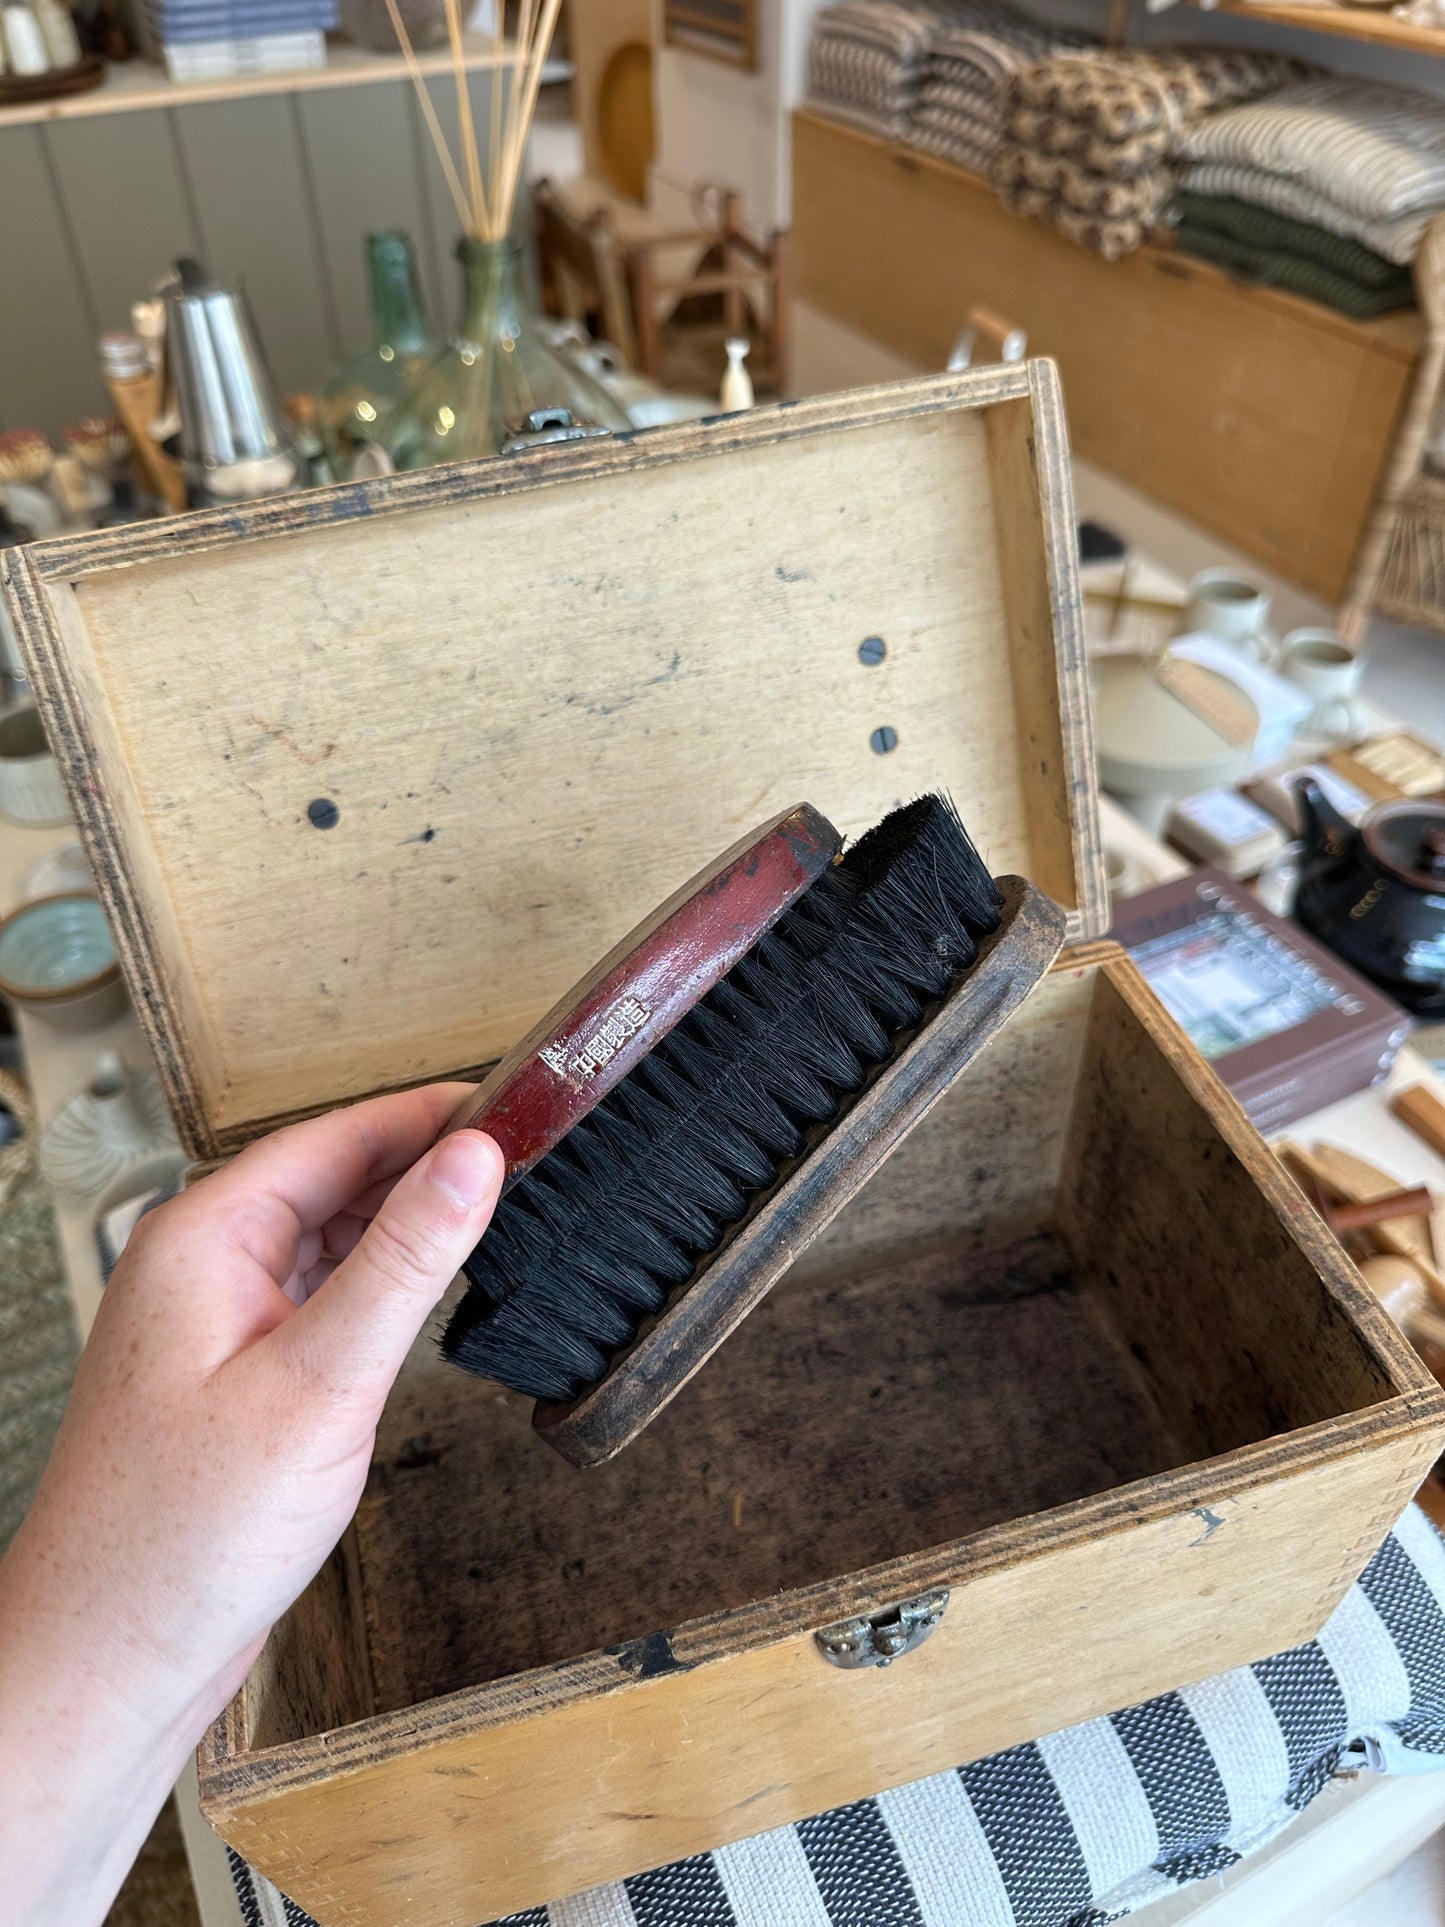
[47,374]
[279,190]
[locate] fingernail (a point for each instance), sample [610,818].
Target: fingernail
[466,1164]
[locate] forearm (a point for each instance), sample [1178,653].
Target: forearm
[92,1738]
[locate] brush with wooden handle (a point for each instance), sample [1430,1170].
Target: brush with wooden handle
[592,1284]
[606,1024]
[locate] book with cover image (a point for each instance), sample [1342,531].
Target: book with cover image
[1285,1023]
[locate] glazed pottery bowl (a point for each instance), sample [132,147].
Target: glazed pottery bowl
[58,962]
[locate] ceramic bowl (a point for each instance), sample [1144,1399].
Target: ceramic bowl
[31,791]
[58,962]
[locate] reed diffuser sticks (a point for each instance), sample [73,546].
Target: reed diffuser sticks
[484,205]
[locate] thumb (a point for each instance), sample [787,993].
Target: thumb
[371,1308]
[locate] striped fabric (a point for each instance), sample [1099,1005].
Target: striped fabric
[1353,156]
[1084,1826]
[924,73]
[866,61]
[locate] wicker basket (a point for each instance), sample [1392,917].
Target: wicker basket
[1399,568]
[1411,587]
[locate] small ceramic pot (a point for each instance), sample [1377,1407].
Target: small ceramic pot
[57,961]
[31,791]
[113,1138]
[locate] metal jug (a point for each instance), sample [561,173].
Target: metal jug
[235,442]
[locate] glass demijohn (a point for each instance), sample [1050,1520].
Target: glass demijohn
[362,391]
[476,393]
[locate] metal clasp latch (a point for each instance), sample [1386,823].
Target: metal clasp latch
[878,1640]
[547,425]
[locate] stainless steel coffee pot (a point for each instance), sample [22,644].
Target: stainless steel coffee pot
[235,440]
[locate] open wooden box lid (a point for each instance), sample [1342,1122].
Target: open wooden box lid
[368,776]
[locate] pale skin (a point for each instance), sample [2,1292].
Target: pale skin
[212,1452]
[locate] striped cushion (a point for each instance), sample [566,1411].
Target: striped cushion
[1086,1825]
[1376,151]
[1398,239]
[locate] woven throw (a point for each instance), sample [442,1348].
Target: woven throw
[1086,1825]
[1265,231]
[1397,239]
[1294,274]
[1375,151]
[1121,93]
[1069,186]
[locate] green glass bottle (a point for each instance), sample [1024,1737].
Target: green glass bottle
[362,391]
[475,396]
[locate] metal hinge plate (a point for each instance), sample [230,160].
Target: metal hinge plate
[880,1638]
[542,425]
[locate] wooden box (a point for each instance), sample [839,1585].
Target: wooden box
[368,777]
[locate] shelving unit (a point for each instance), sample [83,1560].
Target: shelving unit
[139,85]
[1375,25]
[1264,418]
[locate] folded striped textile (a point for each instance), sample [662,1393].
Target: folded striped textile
[959,115]
[924,74]
[1397,239]
[962,123]
[1374,151]
[866,61]
[1086,1825]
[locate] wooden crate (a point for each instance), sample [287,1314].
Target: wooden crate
[1078,1354]
[1264,418]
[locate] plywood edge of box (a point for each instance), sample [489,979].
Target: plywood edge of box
[640,1747]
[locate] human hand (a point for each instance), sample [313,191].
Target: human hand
[212,1452]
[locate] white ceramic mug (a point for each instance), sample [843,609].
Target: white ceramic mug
[1231,606]
[1330,673]
[31,791]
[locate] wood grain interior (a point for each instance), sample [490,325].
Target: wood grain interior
[535,714]
[842,1425]
[1248,1325]
[983,1334]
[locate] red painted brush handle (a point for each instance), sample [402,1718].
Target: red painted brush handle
[606,1024]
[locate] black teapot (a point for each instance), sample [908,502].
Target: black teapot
[1376,894]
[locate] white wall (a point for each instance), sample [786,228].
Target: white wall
[715,124]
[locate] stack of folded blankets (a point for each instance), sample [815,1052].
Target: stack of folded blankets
[1330,173]
[1273,250]
[973,50]
[927,73]
[1092,140]
[866,60]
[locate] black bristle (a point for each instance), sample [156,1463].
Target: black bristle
[599,1233]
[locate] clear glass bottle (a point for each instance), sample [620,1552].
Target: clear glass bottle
[362,391]
[475,396]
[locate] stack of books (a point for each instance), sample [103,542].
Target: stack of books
[212,39]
